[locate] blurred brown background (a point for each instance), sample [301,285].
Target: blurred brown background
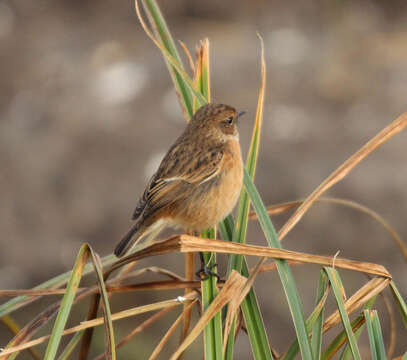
[87,110]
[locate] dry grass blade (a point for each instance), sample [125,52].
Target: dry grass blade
[110,351]
[145,250]
[234,305]
[14,328]
[177,283]
[159,285]
[154,270]
[31,292]
[395,127]
[144,325]
[33,326]
[123,273]
[232,287]
[139,329]
[40,320]
[356,324]
[25,334]
[281,208]
[87,337]
[171,330]
[189,275]
[187,243]
[201,79]
[188,55]
[272,266]
[357,300]
[100,321]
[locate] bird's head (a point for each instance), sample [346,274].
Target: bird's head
[217,120]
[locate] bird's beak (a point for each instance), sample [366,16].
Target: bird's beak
[240,113]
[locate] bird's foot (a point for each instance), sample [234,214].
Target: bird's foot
[206,271]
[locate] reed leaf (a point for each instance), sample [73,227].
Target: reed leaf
[54,283]
[316,339]
[67,301]
[375,335]
[163,34]
[251,312]
[283,268]
[401,304]
[338,290]
[314,321]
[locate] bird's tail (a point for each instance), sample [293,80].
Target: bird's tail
[130,239]
[137,232]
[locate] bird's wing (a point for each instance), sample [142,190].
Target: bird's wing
[177,170]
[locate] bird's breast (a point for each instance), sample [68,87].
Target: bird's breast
[230,184]
[214,199]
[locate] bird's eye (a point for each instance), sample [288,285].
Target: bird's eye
[229,120]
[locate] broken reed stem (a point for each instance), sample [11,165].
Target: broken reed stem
[187,243]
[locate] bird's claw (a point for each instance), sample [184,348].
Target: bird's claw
[205,271]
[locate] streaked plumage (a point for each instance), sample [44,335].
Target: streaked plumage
[199,180]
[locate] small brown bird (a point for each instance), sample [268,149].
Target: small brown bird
[199,180]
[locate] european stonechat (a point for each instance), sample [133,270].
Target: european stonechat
[199,180]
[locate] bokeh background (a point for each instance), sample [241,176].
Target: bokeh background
[87,110]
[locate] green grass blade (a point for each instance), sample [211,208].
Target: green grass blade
[226,228]
[347,352]
[84,253]
[12,325]
[202,74]
[378,335]
[404,356]
[400,302]
[173,61]
[162,32]
[54,283]
[341,339]
[357,324]
[213,330]
[284,270]
[313,320]
[370,332]
[66,303]
[186,91]
[254,323]
[110,342]
[316,339]
[229,351]
[336,284]
[69,349]
[250,308]
[239,235]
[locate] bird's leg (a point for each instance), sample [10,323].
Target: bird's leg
[205,270]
